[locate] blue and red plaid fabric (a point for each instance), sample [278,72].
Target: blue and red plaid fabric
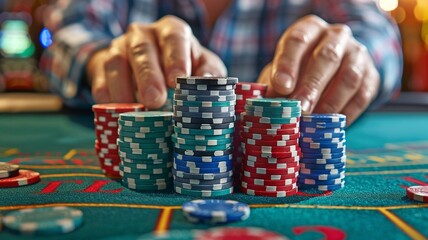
[245,35]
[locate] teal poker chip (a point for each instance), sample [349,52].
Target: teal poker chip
[143,176]
[146,161]
[207,80]
[123,144]
[152,124]
[203,193]
[225,98]
[147,187]
[44,221]
[206,93]
[147,181]
[205,126]
[204,103]
[149,165]
[273,115]
[204,137]
[203,159]
[204,114]
[144,135]
[167,128]
[208,142]
[192,120]
[219,164]
[273,102]
[152,171]
[203,132]
[204,87]
[145,140]
[150,116]
[203,147]
[145,156]
[145,151]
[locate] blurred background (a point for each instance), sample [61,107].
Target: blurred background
[23,37]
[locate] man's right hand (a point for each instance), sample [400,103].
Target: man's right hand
[139,65]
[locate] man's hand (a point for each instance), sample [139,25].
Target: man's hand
[323,66]
[139,65]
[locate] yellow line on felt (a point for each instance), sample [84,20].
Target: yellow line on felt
[62,167]
[365,165]
[11,151]
[387,172]
[406,228]
[118,205]
[70,154]
[164,219]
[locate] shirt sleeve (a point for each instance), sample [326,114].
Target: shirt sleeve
[375,30]
[79,29]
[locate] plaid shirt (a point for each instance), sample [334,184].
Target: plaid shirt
[244,36]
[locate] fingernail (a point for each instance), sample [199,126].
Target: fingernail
[305,105]
[174,74]
[284,80]
[151,95]
[207,74]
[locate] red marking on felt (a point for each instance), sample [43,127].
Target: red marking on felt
[330,233]
[416,181]
[79,162]
[96,186]
[55,161]
[54,185]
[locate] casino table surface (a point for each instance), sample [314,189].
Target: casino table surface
[387,151]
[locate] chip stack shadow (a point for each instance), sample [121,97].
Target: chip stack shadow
[204,120]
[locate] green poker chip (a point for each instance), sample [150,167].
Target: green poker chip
[152,124]
[167,128]
[203,132]
[202,147]
[145,151]
[204,137]
[150,116]
[209,142]
[204,103]
[203,193]
[123,144]
[144,135]
[145,140]
[273,102]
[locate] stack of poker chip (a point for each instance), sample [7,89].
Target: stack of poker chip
[145,150]
[12,176]
[105,119]
[243,92]
[323,146]
[270,144]
[204,120]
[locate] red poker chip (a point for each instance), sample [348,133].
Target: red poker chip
[108,155]
[269,165]
[270,171]
[251,86]
[113,116]
[270,149]
[269,135]
[117,107]
[105,128]
[110,146]
[102,133]
[273,143]
[265,182]
[418,193]
[269,160]
[270,125]
[269,131]
[25,177]
[281,154]
[268,188]
[239,233]
[269,194]
[270,177]
[105,119]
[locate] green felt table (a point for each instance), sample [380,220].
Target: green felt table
[386,153]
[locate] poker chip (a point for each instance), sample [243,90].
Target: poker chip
[253,192]
[146,151]
[24,178]
[205,93]
[8,170]
[44,221]
[204,87]
[206,126]
[323,147]
[252,233]
[203,193]
[215,211]
[418,193]
[106,131]
[203,182]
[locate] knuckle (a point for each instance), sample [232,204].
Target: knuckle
[362,99]
[341,28]
[145,69]
[315,20]
[352,77]
[329,52]
[133,27]
[140,48]
[298,36]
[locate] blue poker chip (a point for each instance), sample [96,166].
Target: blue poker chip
[323,150]
[321,155]
[320,130]
[205,93]
[202,170]
[317,145]
[203,182]
[323,160]
[207,80]
[212,187]
[323,125]
[321,140]
[205,114]
[203,153]
[215,211]
[321,171]
[323,187]
[323,177]
[308,181]
[203,159]
[204,87]
[323,166]
[193,120]
[204,109]
[202,176]
[327,118]
[323,135]
[44,221]
[223,98]
[205,126]
[220,164]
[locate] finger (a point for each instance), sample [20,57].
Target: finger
[291,49]
[346,82]
[323,64]
[364,96]
[264,78]
[174,37]
[143,57]
[99,86]
[210,64]
[117,73]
